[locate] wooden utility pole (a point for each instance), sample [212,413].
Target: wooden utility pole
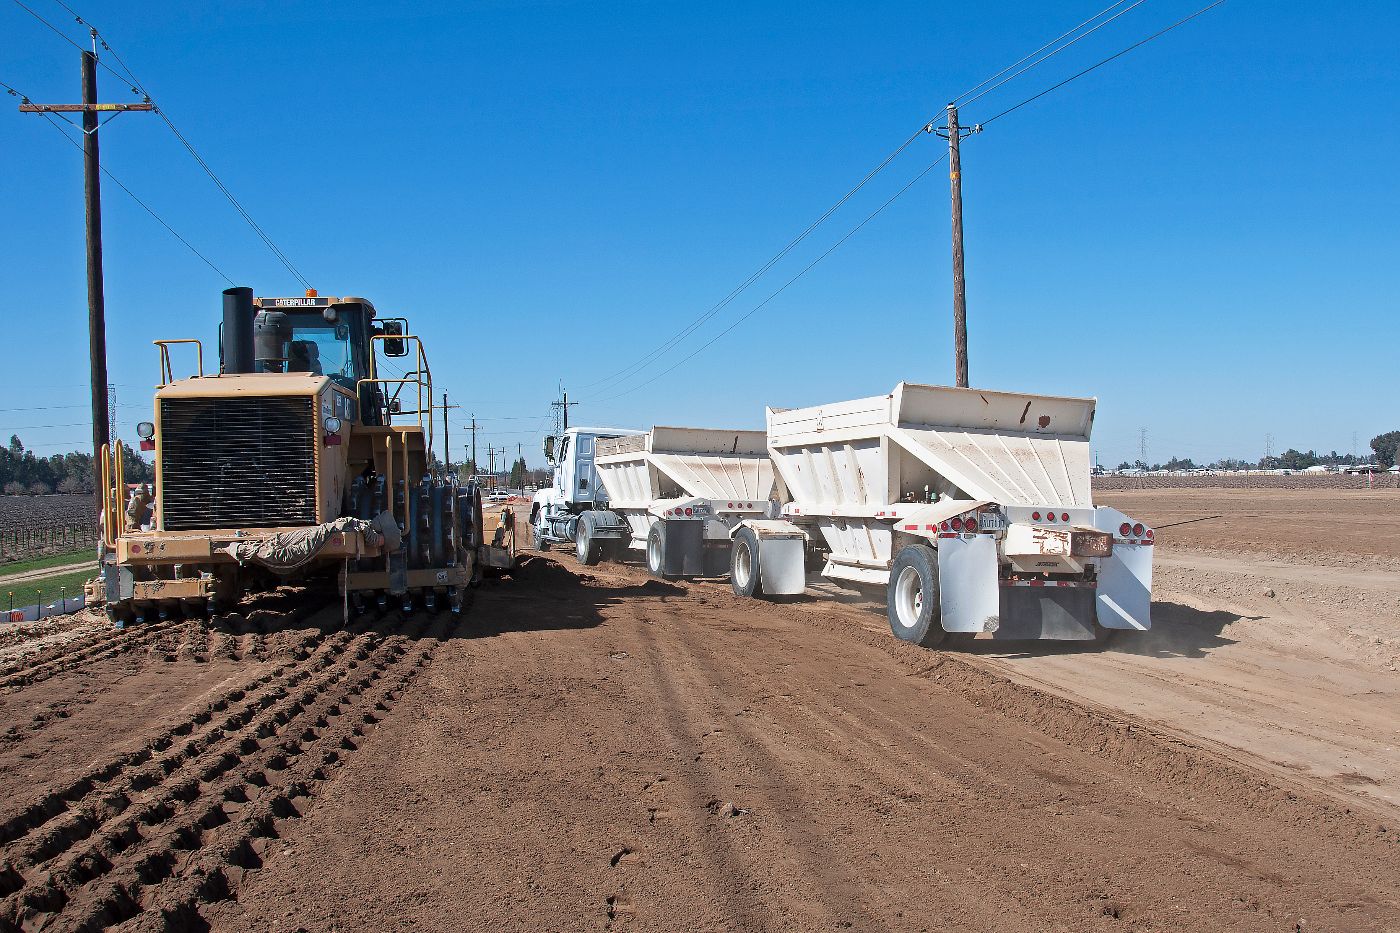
[92,198]
[473,443]
[446,435]
[959,282]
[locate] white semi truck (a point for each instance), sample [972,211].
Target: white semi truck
[575,490]
[971,508]
[677,494]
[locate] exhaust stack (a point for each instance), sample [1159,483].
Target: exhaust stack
[237,349]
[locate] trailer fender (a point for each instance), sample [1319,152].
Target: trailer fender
[782,555]
[1124,598]
[967,583]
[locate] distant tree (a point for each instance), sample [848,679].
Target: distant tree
[71,486]
[1385,445]
[1125,465]
[1179,463]
[13,488]
[1292,459]
[40,489]
[517,473]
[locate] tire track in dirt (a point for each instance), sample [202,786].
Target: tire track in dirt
[155,837]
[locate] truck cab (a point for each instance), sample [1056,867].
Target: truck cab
[575,488]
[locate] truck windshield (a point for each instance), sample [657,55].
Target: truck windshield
[326,348]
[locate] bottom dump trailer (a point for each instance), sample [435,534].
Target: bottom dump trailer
[677,494]
[971,508]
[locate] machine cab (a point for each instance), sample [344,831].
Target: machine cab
[333,337]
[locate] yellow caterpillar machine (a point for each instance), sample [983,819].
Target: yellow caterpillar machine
[296,460]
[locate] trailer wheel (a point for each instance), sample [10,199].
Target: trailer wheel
[656,553]
[588,548]
[744,575]
[913,600]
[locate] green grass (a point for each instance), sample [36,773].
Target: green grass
[27,593]
[51,560]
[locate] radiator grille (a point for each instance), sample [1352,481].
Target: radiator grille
[237,462]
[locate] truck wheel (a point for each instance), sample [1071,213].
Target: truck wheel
[744,575]
[912,600]
[656,554]
[588,548]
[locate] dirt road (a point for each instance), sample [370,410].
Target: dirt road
[603,750]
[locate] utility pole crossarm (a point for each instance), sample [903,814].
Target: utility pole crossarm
[84,108]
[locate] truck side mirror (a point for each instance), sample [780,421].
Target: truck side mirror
[394,346]
[549,448]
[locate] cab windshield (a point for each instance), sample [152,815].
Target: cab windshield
[312,344]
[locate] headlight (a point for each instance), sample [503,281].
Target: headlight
[332,425]
[146,430]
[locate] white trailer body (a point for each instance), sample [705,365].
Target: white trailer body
[987,491]
[676,494]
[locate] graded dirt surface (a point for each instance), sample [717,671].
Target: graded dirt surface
[588,748]
[1328,526]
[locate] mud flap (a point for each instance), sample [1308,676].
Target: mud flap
[967,583]
[1125,579]
[117,583]
[782,565]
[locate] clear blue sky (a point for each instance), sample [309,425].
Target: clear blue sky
[1202,234]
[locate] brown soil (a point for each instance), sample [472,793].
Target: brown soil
[599,750]
[1315,526]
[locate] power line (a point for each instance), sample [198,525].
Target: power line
[69,39]
[756,308]
[1120,54]
[986,81]
[656,353]
[1053,52]
[140,89]
[755,276]
[144,206]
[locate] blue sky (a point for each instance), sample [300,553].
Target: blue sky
[1202,234]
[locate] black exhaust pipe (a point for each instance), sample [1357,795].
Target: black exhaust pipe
[238,331]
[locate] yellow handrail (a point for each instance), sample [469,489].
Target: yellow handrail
[167,374]
[421,378]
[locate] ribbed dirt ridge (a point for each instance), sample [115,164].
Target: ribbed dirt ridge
[148,837]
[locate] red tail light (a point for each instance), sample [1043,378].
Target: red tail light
[1125,529]
[148,445]
[1064,516]
[689,511]
[1049,516]
[1035,516]
[1138,530]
